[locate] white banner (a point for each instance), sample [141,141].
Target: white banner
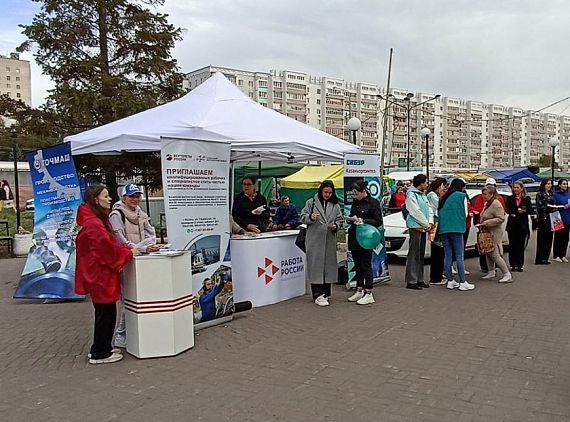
[195,177]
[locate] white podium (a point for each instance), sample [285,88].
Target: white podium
[158,305]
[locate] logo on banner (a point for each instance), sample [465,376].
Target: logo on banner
[178,157]
[169,157]
[268,272]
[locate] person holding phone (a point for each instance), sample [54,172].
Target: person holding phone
[518,207]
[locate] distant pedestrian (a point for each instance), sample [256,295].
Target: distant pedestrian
[364,210]
[519,207]
[323,218]
[436,190]
[419,222]
[453,212]
[492,219]
[6,195]
[544,235]
[562,199]
[99,260]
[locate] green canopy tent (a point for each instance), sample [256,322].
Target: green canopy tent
[557,174]
[266,171]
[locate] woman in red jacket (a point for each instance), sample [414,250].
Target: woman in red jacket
[99,260]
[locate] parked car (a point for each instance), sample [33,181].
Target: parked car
[30,205]
[397,238]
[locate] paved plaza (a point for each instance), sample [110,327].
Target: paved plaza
[498,353]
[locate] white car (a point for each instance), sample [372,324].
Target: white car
[397,239]
[30,205]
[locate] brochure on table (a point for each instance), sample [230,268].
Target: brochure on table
[195,177]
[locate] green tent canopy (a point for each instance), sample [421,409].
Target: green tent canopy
[557,174]
[270,170]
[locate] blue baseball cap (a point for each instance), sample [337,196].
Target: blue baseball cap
[131,190]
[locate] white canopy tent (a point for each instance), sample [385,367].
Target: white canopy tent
[215,110]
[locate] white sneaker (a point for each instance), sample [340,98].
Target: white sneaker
[507,278]
[489,276]
[466,286]
[557,260]
[564,259]
[452,284]
[115,357]
[114,350]
[466,271]
[367,299]
[322,301]
[356,296]
[120,340]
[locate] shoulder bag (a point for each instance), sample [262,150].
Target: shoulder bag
[302,236]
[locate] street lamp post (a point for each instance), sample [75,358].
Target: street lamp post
[425,133]
[408,99]
[16,182]
[354,125]
[553,144]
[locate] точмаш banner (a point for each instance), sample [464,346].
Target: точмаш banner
[195,178]
[49,272]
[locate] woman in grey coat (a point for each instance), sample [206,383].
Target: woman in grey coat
[323,218]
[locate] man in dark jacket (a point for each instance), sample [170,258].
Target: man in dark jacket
[250,208]
[286,216]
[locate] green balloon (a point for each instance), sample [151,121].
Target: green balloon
[367,236]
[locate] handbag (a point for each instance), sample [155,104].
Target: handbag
[485,241]
[556,223]
[301,238]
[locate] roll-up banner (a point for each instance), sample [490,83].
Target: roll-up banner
[365,167]
[195,177]
[49,272]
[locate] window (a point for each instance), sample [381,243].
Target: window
[240,82]
[250,83]
[7,78]
[17,78]
[8,85]
[17,70]
[318,100]
[17,86]
[7,68]
[318,91]
[18,94]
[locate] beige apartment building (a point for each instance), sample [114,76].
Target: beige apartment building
[15,80]
[465,134]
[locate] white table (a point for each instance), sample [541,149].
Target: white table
[158,305]
[267,268]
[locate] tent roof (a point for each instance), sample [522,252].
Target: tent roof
[310,177]
[216,110]
[557,174]
[511,175]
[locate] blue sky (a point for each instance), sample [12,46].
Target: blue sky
[509,52]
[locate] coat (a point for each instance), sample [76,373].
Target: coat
[369,210]
[543,210]
[99,259]
[563,198]
[493,217]
[321,265]
[518,222]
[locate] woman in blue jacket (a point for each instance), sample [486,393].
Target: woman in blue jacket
[562,197]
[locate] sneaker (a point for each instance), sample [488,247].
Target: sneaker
[452,284]
[423,285]
[507,278]
[489,276]
[367,299]
[322,301]
[466,271]
[414,286]
[438,283]
[356,296]
[114,350]
[564,259]
[557,260]
[115,357]
[466,286]
[120,340]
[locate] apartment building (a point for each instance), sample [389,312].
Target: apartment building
[15,80]
[465,134]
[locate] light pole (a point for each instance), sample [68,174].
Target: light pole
[354,125]
[16,183]
[425,133]
[553,144]
[408,99]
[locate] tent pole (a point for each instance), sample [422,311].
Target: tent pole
[232,183]
[259,176]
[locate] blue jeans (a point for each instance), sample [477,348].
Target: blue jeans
[453,246]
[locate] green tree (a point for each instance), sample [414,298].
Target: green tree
[108,59]
[545,161]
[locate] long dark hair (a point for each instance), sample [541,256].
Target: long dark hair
[436,183]
[91,193]
[457,185]
[543,182]
[327,184]
[560,183]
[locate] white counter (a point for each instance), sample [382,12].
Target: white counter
[158,305]
[267,268]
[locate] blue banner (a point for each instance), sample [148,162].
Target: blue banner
[49,272]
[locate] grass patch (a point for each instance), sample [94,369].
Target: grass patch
[26,220]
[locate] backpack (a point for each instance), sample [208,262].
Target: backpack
[405,212]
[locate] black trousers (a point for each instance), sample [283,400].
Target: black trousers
[517,244]
[105,318]
[363,268]
[319,289]
[436,264]
[543,244]
[560,242]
